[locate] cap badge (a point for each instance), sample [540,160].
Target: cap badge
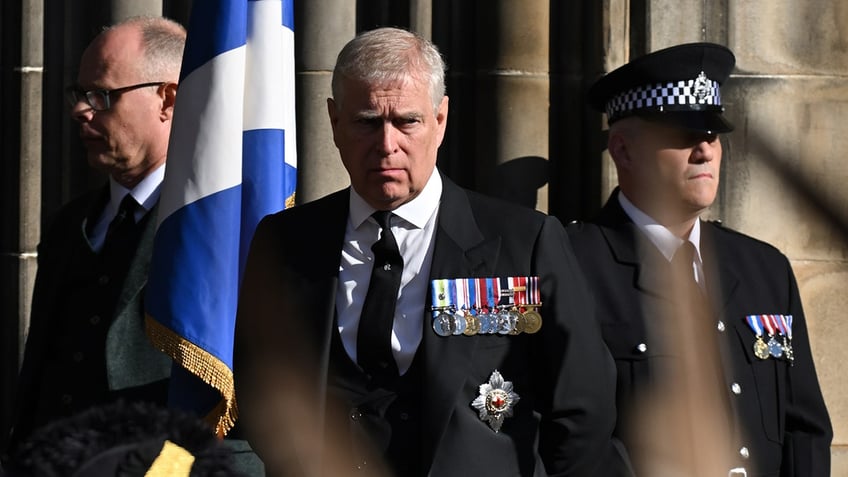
[701,87]
[496,401]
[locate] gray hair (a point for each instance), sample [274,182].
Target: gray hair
[387,55]
[163,41]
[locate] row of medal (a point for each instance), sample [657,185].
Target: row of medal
[778,330]
[486,306]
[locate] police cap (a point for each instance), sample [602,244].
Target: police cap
[677,85]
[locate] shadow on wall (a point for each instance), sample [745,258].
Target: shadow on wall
[518,180]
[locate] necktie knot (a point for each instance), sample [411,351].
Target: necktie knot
[385,248]
[127,208]
[382,217]
[123,224]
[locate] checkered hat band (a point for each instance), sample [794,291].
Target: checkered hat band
[698,91]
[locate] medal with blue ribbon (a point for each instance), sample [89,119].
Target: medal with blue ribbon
[785,324]
[441,299]
[770,323]
[761,350]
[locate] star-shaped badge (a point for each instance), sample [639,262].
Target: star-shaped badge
[495,401]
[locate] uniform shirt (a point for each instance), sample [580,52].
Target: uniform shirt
[663,239]
[413,225]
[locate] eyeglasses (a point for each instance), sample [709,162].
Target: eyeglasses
[101,99]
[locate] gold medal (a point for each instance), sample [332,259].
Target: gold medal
[532,320]
[472,325]
[761,349]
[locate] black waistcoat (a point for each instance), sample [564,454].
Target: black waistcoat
[383,418]
[73,372]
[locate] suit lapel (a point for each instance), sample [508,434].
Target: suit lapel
[131,360]
[461,251]
[321,279]
[630,247]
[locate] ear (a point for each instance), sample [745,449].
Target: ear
[442,118]
[168,93]
[617,145]
[333,113]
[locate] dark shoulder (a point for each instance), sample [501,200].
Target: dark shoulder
[489,208]
[730,239]
[583,233]
[70,214]
[311,211]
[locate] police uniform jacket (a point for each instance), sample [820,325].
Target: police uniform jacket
[781,424]
[563,374]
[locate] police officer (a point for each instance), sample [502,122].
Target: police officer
[737,340]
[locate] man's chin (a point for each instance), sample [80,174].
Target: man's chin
[100,162]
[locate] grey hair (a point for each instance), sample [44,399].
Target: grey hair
[388,55]
[163,41]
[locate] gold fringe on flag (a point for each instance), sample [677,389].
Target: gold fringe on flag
[202,364]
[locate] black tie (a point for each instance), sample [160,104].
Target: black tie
[374,338]
[122,227]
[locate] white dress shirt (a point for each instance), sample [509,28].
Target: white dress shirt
[414,226]
[665,241]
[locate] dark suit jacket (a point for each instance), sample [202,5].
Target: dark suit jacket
[780,416]
[133,365]
[563,374]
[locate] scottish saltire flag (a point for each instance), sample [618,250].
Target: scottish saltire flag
[231,160]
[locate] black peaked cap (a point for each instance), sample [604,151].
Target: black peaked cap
[677,85]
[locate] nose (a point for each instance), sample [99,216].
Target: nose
[388,139]
[81,111]
[706,150]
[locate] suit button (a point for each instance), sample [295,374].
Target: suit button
[78,356]
[736,388]
[355,414]
[103,280]
[67,399]
[94,319]
[744,453]
[720,326]
[404,416]
[641,347]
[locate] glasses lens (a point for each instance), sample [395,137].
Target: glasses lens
[72,95]
[98,100]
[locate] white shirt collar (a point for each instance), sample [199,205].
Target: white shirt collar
[146,192]
[664,240]
[417,211]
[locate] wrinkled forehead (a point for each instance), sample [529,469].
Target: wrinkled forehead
[377,89]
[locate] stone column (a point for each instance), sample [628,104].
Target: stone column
[511,94]
[319,36]
[122,9]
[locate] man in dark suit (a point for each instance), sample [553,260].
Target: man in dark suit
[713,351]
[86,343]
[430,383]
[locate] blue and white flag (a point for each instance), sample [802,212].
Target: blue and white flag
[231,161]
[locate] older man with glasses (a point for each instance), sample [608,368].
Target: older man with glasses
[86,344]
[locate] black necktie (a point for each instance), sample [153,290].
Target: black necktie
[374,338]
[122,227]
